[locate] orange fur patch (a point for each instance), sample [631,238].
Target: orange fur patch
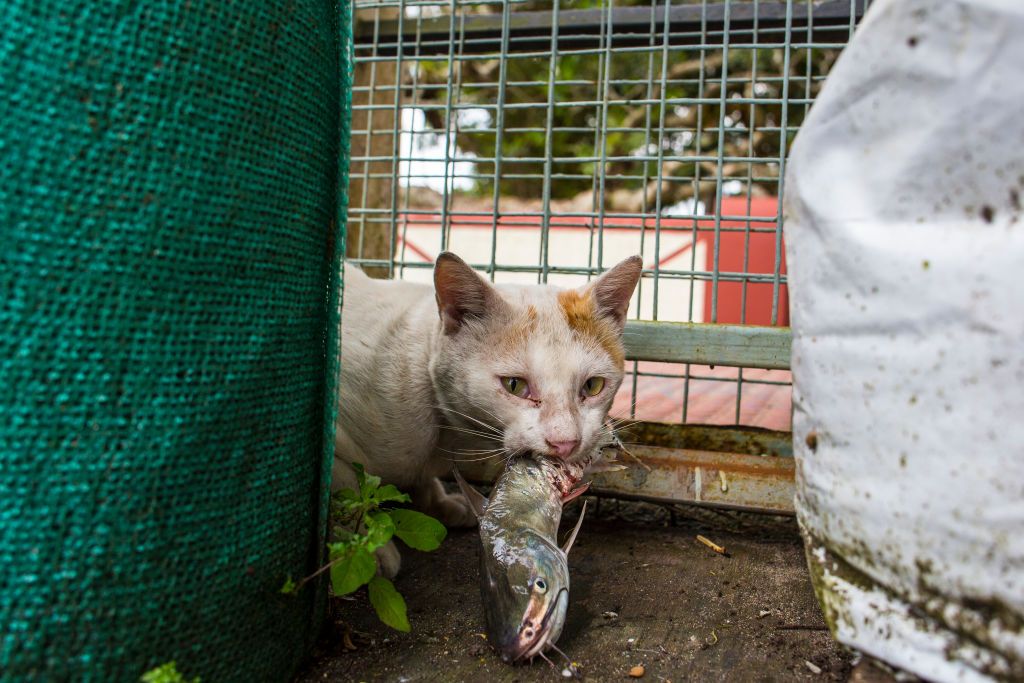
[582,318]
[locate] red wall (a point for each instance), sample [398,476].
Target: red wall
[730,259]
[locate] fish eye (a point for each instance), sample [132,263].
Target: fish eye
[540,585]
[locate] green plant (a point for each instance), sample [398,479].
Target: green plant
[360,525]
[166,673]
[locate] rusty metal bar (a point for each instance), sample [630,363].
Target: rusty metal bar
[761,479]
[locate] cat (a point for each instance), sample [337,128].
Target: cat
[469,370]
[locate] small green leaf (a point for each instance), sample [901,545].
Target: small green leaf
[353,571]
[389,494]
[346,495]
[360,473]
[344,536]
[389,603]
[418,530]
[289,586]
[379,530]
[346,504]
[368,483]
[166,673]
[336,550]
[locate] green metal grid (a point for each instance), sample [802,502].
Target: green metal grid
[721,90]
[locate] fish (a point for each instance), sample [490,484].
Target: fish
[524,573]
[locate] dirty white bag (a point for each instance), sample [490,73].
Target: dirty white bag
[905,245]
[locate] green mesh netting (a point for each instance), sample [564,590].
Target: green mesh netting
[169,178]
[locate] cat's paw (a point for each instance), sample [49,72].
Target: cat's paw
[389,560]
[453,510]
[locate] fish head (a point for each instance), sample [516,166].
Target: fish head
[526,597]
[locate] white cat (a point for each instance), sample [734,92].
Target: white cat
[470,370]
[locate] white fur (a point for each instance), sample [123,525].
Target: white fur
[410,390]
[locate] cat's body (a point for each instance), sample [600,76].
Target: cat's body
[467,370]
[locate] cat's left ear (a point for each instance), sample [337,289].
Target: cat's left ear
[613,290]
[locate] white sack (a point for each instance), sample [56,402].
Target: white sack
[905,246]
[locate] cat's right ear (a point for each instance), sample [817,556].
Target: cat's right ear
[461,293]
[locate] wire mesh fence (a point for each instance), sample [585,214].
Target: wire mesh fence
[545,141]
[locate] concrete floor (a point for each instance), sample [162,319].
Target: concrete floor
[683,611]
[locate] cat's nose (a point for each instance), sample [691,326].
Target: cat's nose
[562,449]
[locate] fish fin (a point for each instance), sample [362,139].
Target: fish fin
[572,537]
[475,498]
[575,493]
[606,466]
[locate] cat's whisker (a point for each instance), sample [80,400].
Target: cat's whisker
[513,453]
[478,451]
[624,425]
[496,418]
[624,421]
[453,428]
[496,453]
[628,410]
[486,457]
[470,431]
[470,417]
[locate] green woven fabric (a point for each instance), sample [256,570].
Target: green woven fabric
[169,178]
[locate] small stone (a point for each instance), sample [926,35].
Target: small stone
[566,673]
[763,613]
[610,615]
[812,667]
[637,671]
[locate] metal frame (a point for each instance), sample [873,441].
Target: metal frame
[712,91]
[631,26]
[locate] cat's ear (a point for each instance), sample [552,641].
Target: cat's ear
[461,293]
[613,290]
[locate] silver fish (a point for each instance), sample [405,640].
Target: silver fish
[524,574]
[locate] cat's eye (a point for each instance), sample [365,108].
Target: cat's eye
[516,386]
[593,386]
[540,585]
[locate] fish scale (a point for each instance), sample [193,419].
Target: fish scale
[524,574]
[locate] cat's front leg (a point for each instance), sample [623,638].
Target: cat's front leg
[451,508]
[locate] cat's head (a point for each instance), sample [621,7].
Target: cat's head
[536,367]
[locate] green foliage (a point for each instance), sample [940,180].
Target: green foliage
[289,586]
[626,130]
[389,603]
[351,567]
[168,673]
[380,527]
[360,526]
[418,530]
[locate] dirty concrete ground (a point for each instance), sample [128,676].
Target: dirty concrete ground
[644,593]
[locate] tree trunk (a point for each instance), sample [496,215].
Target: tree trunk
[370,232]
